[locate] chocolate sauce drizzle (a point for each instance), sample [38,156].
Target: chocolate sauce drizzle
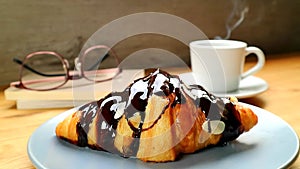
[134,98]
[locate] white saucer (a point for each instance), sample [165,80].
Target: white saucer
[249,87]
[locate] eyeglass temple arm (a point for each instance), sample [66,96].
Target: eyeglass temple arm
[33,70]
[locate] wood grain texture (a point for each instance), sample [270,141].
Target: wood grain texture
[282,98]
[15,130]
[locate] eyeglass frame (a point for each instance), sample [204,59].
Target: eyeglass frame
[69,75]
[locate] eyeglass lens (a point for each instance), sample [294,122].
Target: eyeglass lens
[98,64]
[46,72]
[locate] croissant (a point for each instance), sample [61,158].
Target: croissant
[157,118]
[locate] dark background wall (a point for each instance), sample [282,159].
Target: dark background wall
[64,26]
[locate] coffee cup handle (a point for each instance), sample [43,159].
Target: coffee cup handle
[260,62]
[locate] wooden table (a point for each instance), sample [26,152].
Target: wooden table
[282,72]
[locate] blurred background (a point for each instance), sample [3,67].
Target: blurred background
[64,26]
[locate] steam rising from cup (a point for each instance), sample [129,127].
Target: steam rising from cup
[236,17]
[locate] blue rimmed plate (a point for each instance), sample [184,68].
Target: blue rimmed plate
[272,143]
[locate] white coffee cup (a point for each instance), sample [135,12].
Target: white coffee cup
[218,64]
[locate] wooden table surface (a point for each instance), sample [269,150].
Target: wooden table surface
[282,72]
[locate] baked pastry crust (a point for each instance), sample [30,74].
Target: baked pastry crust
[157,118]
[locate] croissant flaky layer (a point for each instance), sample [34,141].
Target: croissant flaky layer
[157,118]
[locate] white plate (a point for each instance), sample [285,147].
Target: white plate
[249,87]
[272,143]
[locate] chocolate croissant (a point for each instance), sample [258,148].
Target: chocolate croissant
[157,118]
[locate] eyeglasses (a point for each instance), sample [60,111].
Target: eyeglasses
[47,70]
